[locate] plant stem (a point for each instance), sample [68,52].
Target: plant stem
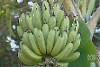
[93,21]
[78,10]
[69,8]
[90,9]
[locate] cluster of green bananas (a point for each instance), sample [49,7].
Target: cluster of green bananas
[45,33]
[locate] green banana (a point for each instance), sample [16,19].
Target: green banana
[37,21]
[63,64]
[45,6]
[56,28]
[24,59]
[76,44]
[30,54]
[22,20]
[52,22]
[73,31]
[29,22]
[65,52]
[25,39]
[71,57]
[45,30]
[34,44]
[41,42]
[35,32]
[51,2]
[60,17]
[56,9]
[50,41]
[46,16]
[20,30]
[72,35]
[75,25]
[36,7]
[59,2]
[36,14]
[29,14]
[65,24]
[57,33]
[58,45]
[77,37]
[65,39]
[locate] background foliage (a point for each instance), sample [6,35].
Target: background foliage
[10,11]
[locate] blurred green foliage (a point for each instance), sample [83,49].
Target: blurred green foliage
[9,12]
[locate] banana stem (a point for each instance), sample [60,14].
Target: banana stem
[93,21]
[77,2]
[47,62]
[69,8]
[72,9]
[78,11]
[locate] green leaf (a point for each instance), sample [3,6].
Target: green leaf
[84,32]
[88,54]
[1,12]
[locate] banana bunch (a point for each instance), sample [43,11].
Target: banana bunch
[47,33]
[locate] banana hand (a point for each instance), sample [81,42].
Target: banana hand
[25,60]
[30,54]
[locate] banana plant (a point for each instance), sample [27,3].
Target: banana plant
[55,34]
